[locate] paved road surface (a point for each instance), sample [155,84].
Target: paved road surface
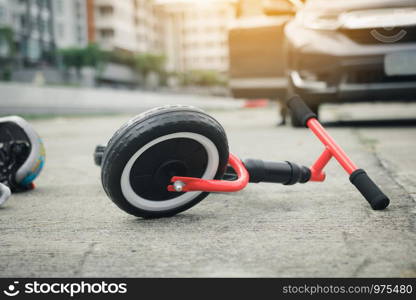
[31,100]
[68,227]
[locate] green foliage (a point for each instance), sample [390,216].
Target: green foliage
[80,57]
[72,57]
[143,63]
[6,34]
[121,57]
[202,78]
[6,74]
[93,56]
[6,60]
[148,62]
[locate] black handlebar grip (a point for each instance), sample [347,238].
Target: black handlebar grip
[300,110]
[276,172]
[377,199]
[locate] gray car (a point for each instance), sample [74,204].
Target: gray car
[349,51]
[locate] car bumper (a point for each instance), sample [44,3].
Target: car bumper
[267,87]
[319,92]
[330,67]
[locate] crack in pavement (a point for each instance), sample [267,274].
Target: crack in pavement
[382,163]
[391,174]
[84,257]
[365,263]
[350,245]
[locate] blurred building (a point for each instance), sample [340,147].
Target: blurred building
[5,13]
[128,25]
[39,27]
[249,8]
[195,34]
[256,46]
[31,23]
[5,43]
[70,23]
[148,27]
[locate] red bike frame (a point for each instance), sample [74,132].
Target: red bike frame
[332,149]
[197,184]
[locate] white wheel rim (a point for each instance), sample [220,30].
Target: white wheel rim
[150,205]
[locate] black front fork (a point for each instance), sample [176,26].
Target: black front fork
[286,173]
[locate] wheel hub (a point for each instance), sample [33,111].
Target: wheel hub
[169,169]
[153,170]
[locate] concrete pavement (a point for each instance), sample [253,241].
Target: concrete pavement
[68,227]
[32,100]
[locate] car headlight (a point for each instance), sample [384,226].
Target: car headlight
[318,21]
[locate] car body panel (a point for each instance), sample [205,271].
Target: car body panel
[348,64]
[257,68]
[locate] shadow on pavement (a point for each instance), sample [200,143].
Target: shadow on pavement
[182,218]
[373,123]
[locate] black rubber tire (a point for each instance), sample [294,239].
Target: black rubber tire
[147,127]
